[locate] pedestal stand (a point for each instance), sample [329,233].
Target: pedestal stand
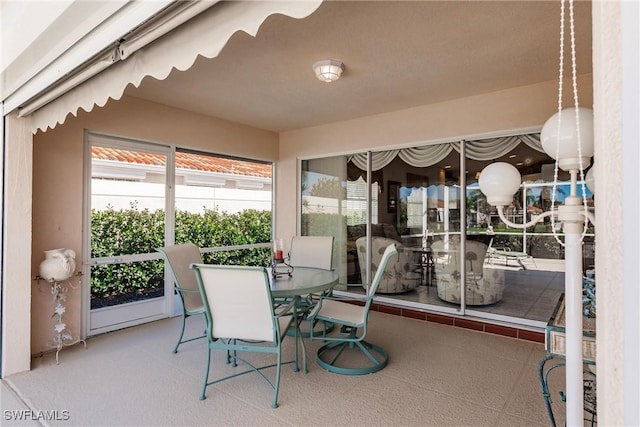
[62,335]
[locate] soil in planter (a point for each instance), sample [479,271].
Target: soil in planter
[123,298]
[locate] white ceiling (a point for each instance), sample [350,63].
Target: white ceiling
[398,54]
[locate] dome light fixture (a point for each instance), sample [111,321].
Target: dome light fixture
[328,70]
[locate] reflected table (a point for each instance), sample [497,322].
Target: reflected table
[425,264]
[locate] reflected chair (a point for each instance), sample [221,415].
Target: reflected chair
[352,317]
[483,284]
[179,257]
[240,318]
[401,275]
[316,252]
[507,254]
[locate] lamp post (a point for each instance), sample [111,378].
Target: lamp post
[568,138]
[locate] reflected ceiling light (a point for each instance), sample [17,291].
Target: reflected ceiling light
[328,70]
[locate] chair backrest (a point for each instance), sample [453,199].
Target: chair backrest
[237,302]
[445,255]
[311,251]
[490,244]
[476,252]
[377,278]
[180,257]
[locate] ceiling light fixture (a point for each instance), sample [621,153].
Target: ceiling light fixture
[328,70]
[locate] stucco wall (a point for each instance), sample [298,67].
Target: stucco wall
[610,258]
[58,180]
[519,109]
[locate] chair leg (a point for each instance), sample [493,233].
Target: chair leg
[352,343]
[175,350]
[367,349]
[206,375]
[234,356]
[299,337]
[181,339]
[276,386]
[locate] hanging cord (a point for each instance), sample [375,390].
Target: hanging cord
[576,105]
[560,87]
[577,118]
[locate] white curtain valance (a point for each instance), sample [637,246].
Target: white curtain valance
[378,159]
[421,156]
[492,148]
[206,34]
[482,149]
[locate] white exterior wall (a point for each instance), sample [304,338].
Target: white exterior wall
[615,60]
[16,246]
[119,195]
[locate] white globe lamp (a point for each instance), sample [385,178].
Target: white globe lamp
[590,180]
[499,182]
[561,129]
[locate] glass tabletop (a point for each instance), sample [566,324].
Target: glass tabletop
[303,280]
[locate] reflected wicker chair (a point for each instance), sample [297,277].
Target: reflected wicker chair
[401,275]
[483,285]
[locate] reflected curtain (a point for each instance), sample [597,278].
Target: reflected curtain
[482,149]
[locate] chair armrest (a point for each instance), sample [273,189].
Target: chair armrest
[316,308]
[179,289]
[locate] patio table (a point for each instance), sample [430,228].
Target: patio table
[303,281]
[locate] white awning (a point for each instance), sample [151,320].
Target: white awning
[206,34]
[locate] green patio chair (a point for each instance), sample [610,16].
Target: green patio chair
[241,318]
[352,317]
[179,258]
[315,252]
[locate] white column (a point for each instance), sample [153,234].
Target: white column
[573,323]
[16,252]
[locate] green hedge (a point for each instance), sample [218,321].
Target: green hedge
[132,231]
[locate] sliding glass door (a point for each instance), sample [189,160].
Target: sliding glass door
[426,199]
[127,214]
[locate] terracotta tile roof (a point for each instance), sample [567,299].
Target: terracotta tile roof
[185,161]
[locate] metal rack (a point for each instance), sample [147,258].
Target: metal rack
[62,335]
[555,340]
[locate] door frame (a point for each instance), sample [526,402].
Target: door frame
[111,318]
